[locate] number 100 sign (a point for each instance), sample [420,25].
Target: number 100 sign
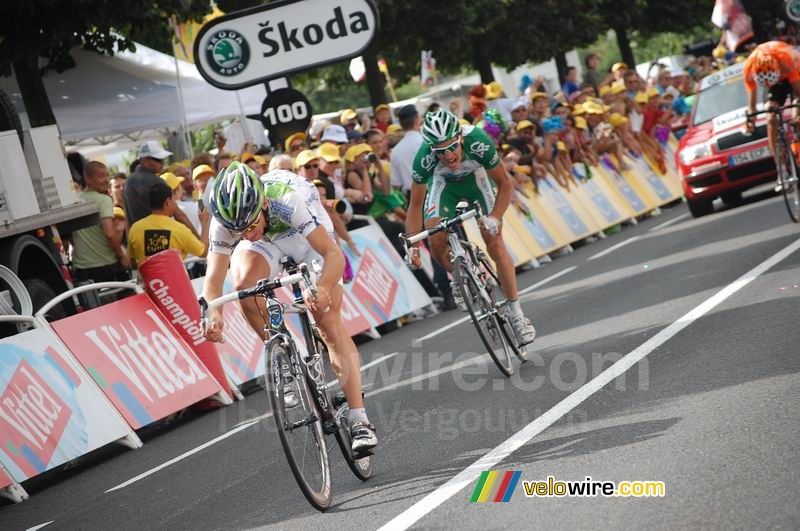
[284,112]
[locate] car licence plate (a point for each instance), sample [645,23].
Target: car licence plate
[749,156]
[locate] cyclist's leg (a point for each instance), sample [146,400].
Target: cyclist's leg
[437,205]
[251,262]
[776,96]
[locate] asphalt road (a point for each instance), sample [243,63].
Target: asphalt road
[704,397]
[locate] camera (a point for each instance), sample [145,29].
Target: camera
[372,158]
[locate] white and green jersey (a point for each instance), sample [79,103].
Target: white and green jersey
[469,182]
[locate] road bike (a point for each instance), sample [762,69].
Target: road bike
[303,406]
[475,276]
[786,159]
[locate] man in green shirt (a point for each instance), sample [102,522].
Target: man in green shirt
[460,163]
[98,254]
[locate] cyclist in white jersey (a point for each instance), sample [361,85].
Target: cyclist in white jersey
[256,223]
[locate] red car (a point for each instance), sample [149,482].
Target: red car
[715,158]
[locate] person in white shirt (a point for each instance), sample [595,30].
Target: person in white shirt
[404,152]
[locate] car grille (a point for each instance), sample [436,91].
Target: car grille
[738,139]
[751,170]
[702,182]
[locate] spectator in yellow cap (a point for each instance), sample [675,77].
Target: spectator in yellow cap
[295,143]
[383,117]
[540,108]
[618,70]
[201,175]
[330,165]
[494,90]
[349,119]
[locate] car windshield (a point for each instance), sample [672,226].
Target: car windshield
[720,99]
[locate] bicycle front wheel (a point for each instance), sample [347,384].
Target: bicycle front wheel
[299,424]
[483,313]
[787,172]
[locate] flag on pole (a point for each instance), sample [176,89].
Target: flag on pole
[737,26]
[357,69]
[185,32]
[428,74]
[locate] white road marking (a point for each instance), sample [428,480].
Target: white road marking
[430,502]
[34,528]
[670,222]
[614,248]
[183,456]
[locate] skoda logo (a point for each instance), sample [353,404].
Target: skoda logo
[227,52]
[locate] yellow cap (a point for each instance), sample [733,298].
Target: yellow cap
[578,109]
[580,122]
[538,95]
[617,88]
[119,213]
[561,146]
[593,108]
[524,124]
[291,138]
[247,157]
[652,92]
[617,119]
[526,170]
[172,180]
[493,90]
[394,128]
[261,160]
[329,152]
[619,66]
[381,107]
[203,169]
[306,156]
[348,115]
[353,152]
[604,90]
[640,97]
[463,121]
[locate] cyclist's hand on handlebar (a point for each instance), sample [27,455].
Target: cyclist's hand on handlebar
[214,327]
[319,303]
[491,225]
[413,259]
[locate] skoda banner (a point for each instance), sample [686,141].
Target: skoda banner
[255,45]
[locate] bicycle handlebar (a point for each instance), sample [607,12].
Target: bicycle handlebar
[775,110]
[444,225]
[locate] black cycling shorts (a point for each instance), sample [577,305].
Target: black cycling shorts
[779,92]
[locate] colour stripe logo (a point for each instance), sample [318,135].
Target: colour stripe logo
[495,486]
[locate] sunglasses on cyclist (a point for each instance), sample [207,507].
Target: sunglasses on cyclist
[449,148]
[248,229]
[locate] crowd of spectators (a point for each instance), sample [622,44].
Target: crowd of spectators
[361,162]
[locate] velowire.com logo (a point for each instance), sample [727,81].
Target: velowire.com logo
[494,486]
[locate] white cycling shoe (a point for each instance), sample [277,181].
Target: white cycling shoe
[523,329]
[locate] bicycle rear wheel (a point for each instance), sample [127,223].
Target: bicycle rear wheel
[788,174]
[299,427]
[484,316]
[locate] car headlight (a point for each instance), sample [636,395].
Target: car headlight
[692,153]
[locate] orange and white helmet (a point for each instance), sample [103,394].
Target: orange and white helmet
[766,70]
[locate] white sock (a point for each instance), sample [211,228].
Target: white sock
[357,414]
[516,308]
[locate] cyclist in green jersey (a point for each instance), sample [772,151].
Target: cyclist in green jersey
[458,163]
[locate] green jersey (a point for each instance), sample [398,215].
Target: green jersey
[469,182]
[479,155]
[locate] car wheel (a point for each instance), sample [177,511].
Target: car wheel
[731,198]
[700,208]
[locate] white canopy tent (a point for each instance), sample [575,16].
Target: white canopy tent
[107,103]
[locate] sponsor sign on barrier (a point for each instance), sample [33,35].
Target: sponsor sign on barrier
[645,172]
[383,287]
[608,170]
[601,200]
[531,222]
[50,410]
[554,198]
[138,359]
[547,217]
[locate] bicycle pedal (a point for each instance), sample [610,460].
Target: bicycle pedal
[329,427]
[338,400]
